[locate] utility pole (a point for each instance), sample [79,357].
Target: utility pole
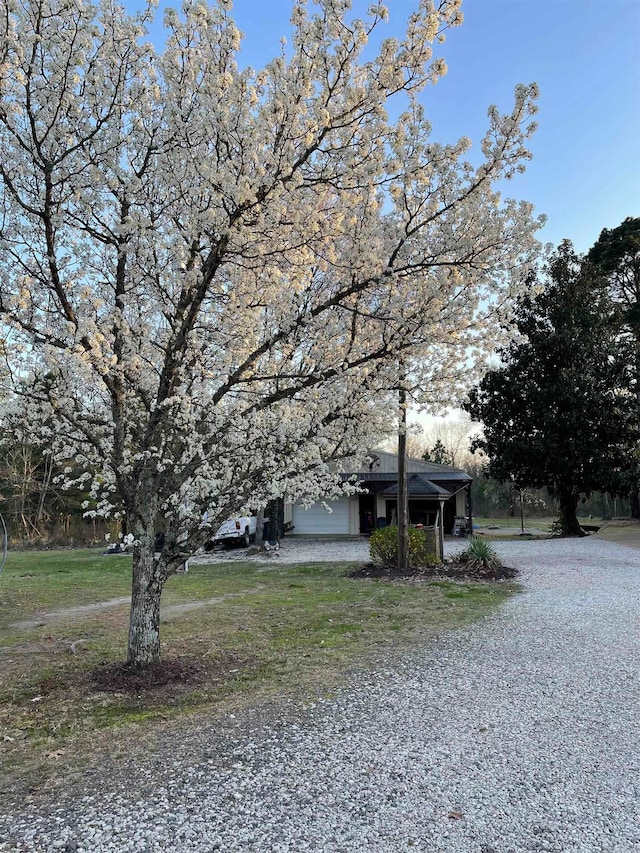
[403,500]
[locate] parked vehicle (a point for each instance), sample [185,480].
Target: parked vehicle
[235,531]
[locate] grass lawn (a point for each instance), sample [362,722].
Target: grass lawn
[541,523]
[622,534]
[514,522]
[242,633]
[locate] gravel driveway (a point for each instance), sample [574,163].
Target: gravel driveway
[294,549]
[518,733]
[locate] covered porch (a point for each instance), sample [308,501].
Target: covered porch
[378,507]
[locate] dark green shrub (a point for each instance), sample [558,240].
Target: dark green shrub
[383,547]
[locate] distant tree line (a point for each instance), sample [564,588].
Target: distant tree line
[492,498]
[495,498]
[36,510]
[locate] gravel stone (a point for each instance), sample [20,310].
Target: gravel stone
[292,549]
[520,732]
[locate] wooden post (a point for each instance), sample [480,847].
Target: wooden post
[403,499]
[259,528]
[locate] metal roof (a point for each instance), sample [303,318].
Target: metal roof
[418,485]
[385,463]
[447,478]
[443,475]
[372,477]
[428,467]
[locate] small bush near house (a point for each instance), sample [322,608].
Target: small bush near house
[383,547]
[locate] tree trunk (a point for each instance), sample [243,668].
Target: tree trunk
[568,503]
[144,622]
[403,504]
[635,503]
[44,488]
[259,528]
[275,508]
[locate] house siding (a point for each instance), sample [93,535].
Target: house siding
[347,512]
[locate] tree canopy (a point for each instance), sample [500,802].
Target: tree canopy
[209,273]
[558,411]
[616,253]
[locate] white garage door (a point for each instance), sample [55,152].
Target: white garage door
[317,520]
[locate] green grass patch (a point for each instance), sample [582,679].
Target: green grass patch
[243,632]
[514,522]
[472,592]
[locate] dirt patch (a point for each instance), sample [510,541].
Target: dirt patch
[123,678]
[166,678]
[88,609]
[189,606]
[459,571]
[70,613]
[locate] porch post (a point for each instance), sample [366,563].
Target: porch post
[441,530]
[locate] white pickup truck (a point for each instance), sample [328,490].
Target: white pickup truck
[239,530]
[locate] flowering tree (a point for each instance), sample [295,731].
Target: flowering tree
[208,273]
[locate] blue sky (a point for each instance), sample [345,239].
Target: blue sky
[585,56]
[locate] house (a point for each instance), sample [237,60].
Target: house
[438,495]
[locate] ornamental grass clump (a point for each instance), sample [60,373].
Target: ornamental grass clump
[479,556]
[383,547]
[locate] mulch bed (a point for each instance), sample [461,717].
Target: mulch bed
[176,672]
[459,571]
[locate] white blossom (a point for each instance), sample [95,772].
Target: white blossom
[211,275]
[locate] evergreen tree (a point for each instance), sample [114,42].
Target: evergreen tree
[616,253]
[558,412]
[437,454]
